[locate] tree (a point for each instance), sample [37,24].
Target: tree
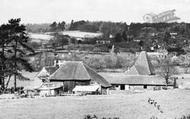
[15,40]
[61,26]
[71,25]
[61,40]
[167,69]
[124,36]
[111,28]
[3,36]
[53,26]
[88,27]
[6,66]
[75,25]
[141,44]
[118,38]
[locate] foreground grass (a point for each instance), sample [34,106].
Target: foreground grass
[174,103]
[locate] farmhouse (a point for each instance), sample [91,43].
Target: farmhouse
[76,73]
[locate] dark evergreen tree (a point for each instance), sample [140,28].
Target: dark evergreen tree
[15,41]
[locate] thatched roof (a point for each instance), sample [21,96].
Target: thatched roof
[142,66]
[51,69]
[77,71]
[122,78]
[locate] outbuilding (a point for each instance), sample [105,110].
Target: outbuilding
[49,89]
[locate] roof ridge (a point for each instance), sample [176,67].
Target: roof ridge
[75,70]
[98,75]
[85,69]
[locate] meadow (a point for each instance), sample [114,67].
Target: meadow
[173,103]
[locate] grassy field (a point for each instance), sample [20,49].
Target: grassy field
[174,103]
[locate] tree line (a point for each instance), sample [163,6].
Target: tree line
[135,36]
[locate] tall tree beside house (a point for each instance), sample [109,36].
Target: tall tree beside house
[5,64]
[16,41]
[167,69]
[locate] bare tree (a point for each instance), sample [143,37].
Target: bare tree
[167,69]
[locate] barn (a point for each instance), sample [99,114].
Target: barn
[77,73]
[140,76]
[121,81]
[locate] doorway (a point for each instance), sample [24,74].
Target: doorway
[122,87]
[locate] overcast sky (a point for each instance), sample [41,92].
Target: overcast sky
[47,11]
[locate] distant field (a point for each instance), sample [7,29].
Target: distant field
[174,103]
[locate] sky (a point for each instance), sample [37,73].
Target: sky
[47,11]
